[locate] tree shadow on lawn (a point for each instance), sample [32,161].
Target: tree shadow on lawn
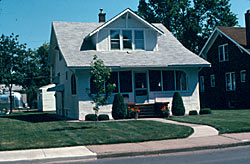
[35,118]
[71,128]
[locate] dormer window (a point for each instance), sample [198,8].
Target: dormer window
[127,39]
[124,39]
[115,39]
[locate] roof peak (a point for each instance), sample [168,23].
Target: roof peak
[122,13]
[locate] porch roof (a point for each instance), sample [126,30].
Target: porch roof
[171,53]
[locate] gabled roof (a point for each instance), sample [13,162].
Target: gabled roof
[236,34]
[128,10]
[171,53]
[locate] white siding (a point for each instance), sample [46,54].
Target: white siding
[120,23]
[150,40]
[46,101]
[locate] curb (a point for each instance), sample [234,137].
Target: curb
[167,151]
[56,159]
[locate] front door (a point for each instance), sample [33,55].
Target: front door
[141,87]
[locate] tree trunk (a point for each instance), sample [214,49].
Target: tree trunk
[11,99]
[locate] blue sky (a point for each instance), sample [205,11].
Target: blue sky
[31,19]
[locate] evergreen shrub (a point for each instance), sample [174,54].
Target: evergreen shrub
[193,112]
[205,111]
[91,117]
[119,109]
[178,108]
[103,117]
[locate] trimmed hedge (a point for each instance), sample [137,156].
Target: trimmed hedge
[103,117]
[91,117]
[119,109]
[205,111]
[193,112]
[178,108]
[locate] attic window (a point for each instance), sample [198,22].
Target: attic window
[115,39]
[127,39]
[124,39]
[223,52]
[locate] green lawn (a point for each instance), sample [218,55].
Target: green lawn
[42,130]
[226,121]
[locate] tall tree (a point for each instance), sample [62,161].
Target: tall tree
[191,21]
[12,54]
[35,72]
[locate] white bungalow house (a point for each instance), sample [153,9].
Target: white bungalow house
[148,63]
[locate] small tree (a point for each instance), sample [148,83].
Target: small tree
[119,110]
[178,108]
[99,74]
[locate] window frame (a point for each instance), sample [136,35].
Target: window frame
[232,81]
[119,83]
[243,80]
[175,82]
[110,40]
[225,54]
[127,39]
[121,39]
[202,84]
[73,84]
[212,80]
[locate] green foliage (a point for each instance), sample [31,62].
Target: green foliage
[178,108]
[191,21]
[12,55]
[36,72]
[21,66]
[91,117]
[162,108]
[103,117]
[193,112]
[205,111]
[119,109]
[99,73]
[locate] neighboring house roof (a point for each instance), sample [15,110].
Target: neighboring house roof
[236,34]
[47,86]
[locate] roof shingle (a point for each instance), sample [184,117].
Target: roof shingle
[70,37]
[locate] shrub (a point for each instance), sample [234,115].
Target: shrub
[103,117]
[119,109]
[205,111]
[178,108]
[91,117]
[193,112]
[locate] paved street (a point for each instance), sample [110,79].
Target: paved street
[239,155]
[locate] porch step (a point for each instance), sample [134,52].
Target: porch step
[147,111]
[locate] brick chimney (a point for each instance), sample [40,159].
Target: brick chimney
[102,16]
[247,19]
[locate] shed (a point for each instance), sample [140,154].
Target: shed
[46,100]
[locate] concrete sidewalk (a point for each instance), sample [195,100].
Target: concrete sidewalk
[199,130]
[171,146]
[51,153]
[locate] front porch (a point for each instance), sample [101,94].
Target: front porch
[149,110]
